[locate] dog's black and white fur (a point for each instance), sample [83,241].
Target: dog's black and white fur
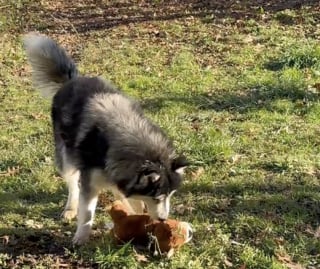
[102,140]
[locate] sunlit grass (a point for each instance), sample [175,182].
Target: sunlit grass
[244,108]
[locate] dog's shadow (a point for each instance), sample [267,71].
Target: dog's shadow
[21,240]
[30,238]
[274,201]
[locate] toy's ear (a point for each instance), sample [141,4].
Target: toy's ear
[179,164]
[117,211]
[188,231]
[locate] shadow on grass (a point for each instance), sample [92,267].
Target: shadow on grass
[240,101]
[268,200]
[18,194]
[95,15]
[25,246]
[50,247]
[24,240]
[25,199]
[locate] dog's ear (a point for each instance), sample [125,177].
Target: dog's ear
[142,181]
[179,164]
[145,179]
[149,174]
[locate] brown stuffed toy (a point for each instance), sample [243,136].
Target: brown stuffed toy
[165,236]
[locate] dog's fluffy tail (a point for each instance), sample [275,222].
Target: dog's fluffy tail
[51,66]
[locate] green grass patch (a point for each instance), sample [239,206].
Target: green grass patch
[298,56]
[239,97]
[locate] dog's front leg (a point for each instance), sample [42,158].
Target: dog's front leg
[87,205]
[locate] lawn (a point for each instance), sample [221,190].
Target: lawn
[236,84]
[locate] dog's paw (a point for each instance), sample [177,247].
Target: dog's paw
[82,236]
[80,239]
[69,214]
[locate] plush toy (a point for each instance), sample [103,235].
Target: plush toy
[163,236]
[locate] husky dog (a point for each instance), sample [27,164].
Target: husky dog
[102,140]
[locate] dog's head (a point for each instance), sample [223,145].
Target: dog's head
[155,183]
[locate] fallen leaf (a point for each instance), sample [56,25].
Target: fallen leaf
[67,233]
[311,231]
[248,39]
[317,233]
[140,257]
[317,86]
[197,173]
[61,265]
[240,23]
[32,224]
[181,209]
[233,242]
[287,261]
[11,171]
[279,240]
[228,263]
[235,158]
[195,125]
[48,159]
[5,239]
[38,116]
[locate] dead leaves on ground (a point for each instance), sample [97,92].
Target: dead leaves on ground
[287,261]
[181,209]
[33,224]
[231,265]
[228,263]
[140,257]
[11,171]
[196,174]
[5,239]
[314,232]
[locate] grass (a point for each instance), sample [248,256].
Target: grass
[239,97]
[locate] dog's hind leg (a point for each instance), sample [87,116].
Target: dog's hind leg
[71,208]
[71,175]
[87,205]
